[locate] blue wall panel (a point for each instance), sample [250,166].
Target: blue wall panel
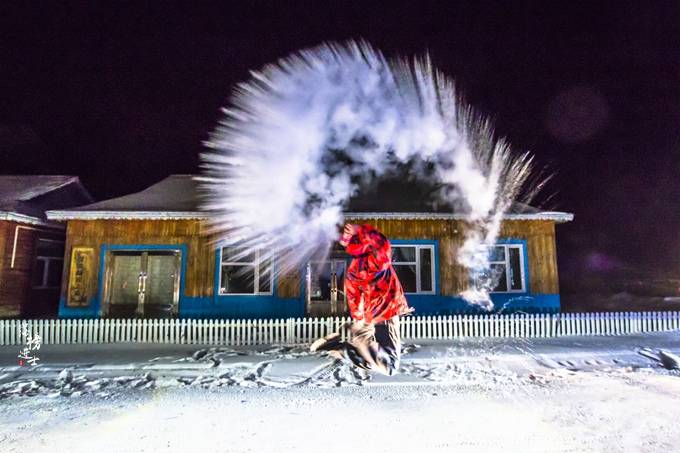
[238,307]
[503,303]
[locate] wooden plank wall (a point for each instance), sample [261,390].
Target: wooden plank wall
[542,252]
[289,285]
[199,279]
[94,233]
[540,237]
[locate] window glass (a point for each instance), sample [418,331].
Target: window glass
[237,279]
[237,255]
[426,269]
[50,248]
[243,273]
[39,272]
[265,281]
[54,273]
[407,276]
[403,254]
[496,253]
[515,269]
[320,280]
[413,265]
[498,277]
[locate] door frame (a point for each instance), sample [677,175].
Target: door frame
[107,270]
[338,305]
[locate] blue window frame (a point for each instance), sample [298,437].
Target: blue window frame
[243,272]
[414,264]
[507,268]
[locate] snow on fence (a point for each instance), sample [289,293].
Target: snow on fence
[305,330]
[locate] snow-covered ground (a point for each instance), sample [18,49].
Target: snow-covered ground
[585,394]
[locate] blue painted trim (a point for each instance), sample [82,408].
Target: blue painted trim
[238,307]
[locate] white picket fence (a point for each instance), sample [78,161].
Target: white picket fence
[300,331]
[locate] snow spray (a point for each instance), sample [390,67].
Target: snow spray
[303,135]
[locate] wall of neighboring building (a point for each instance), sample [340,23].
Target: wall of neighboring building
[17,266]
[7,308]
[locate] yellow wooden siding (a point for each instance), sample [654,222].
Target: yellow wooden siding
[540,237]
[200,257]
[289,285]
[199,279]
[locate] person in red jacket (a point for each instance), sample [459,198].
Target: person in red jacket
[376,301]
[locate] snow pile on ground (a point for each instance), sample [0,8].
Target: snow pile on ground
[585,412]
[565,395]
[481,364]
[227,367]
[69,385]
[218,354]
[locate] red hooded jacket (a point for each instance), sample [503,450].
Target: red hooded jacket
[374,293]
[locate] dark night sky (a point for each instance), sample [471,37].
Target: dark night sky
[123,94]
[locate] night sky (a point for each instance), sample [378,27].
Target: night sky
[122,95]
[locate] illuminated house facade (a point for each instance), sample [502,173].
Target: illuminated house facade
[147,255]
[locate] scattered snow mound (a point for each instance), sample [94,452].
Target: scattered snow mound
[66,384]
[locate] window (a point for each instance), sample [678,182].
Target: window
[414,265]
[49,262]
[506,270]
[244,272]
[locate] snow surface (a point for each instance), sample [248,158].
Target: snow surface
[584,394]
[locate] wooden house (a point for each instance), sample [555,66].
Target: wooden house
[31,246]
[147,254]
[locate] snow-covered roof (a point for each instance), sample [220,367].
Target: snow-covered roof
[177,197]
[556,216]
[15,188]
[25,198]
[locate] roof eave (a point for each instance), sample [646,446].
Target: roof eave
[27,219]
[182,215]
[125,215]
[546,215]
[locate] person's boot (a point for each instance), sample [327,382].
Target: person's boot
[328,343]
[357,359]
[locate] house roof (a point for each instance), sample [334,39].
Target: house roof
[178,197]
[25,198]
